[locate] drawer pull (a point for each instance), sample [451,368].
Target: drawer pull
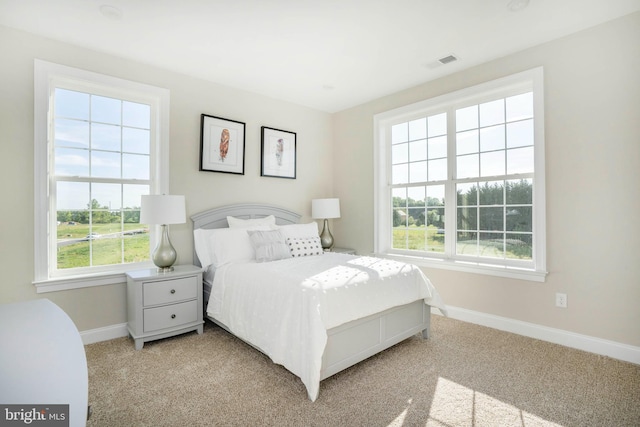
[173,291]
[173,316]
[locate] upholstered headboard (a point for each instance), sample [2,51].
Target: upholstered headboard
[217,217]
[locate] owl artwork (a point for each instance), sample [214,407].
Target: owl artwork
[224,144]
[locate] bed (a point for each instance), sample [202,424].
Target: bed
[314,313]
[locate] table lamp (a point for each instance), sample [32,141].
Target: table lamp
[325,209]
[163,210]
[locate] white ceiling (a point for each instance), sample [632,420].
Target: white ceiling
[325,54]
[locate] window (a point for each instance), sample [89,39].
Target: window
[460,179]
[100,144]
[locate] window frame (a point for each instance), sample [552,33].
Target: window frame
[530,80]
[48,76]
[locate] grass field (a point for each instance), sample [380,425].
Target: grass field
[80,231]
[106,250]
[418,238]
[428,239]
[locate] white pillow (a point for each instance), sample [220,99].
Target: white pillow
[269,245]
[299,230]
[201,244]
[222,246]
[250,223]
[305,246]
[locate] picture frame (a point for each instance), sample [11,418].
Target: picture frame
[278,153]
[222,143]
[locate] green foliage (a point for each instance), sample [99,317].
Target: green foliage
[501,211]
[97,214]
[408,211]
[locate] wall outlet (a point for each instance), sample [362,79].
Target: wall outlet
[561,300]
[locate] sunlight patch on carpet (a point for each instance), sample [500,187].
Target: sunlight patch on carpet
[399,420]
[456,405]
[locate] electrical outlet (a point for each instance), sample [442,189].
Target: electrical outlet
[561,300]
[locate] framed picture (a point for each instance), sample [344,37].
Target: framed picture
[221,145]
[278,153]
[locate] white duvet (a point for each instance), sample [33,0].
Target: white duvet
[285,307]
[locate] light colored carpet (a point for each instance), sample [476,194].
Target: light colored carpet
[465,375]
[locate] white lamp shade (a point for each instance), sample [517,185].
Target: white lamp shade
[162,209]
[325,208]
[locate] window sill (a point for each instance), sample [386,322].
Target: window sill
[77,282]
[470,267]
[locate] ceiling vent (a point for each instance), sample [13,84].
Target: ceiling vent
[447,59]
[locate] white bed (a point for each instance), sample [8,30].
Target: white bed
[320,314]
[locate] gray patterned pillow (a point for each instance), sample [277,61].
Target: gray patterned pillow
[304,246]
[269,245]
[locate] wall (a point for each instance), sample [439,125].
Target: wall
[592,157]
[592,110]
[99,307]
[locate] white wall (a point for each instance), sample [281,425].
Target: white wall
[98,307]
[593,156]
[592,118]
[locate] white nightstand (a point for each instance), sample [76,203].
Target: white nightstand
[343,251]
[161,305]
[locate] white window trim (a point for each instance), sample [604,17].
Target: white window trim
[382,213]
[45,74]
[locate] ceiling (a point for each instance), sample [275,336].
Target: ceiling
[328,55]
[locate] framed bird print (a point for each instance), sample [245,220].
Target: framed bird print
[278,153]
[221,145]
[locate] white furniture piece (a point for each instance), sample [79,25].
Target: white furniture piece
[164,304]
[348,343]
[42,361]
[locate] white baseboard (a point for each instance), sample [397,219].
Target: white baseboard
[104,334]
[616,350]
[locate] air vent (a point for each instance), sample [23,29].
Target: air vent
[447,59]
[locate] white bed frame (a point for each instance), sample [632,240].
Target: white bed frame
[351,342]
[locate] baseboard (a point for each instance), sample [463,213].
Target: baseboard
[616,350]
[104,334]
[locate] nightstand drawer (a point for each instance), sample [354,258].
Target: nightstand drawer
[168,291]
[170,315]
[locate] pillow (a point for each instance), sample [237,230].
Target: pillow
[269,245]
[201,245]
[221,246]
[299,230]
[250,223]
[305,246]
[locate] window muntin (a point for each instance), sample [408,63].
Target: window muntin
[100,144]
[101,168]
[494,217]
[491,211]
[418,218]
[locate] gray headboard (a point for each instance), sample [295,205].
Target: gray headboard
[217,217]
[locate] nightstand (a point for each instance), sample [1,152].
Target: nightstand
[344,251]
[161,305]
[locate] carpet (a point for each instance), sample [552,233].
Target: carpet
[464,375]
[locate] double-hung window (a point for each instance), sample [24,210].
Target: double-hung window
[100,144]
[459,179]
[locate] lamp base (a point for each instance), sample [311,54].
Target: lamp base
[326,239]
[164,255]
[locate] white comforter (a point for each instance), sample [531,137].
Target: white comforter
[285,307]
